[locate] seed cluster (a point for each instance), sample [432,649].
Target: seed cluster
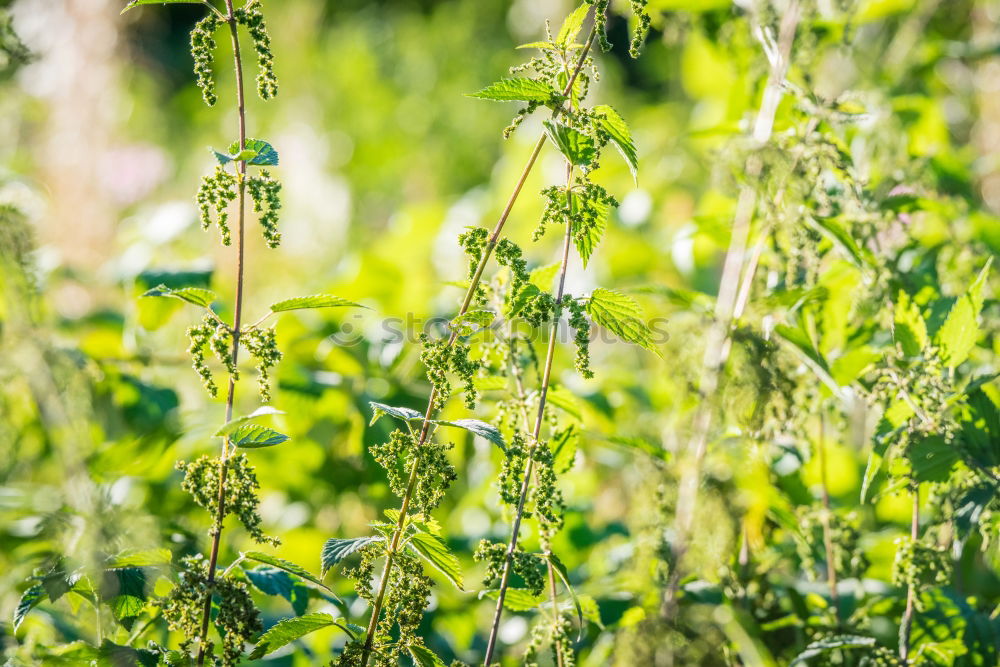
[641,28]
[473,242]
[264,191]
[217,191]
[202,48]
[581,328]
[251,16]
[530,567]
[512,470]
[214,335]
[920,565]
[236,618]
[440,359]
[201,481]
[262,344]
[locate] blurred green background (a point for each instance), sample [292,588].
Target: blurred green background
[103,139]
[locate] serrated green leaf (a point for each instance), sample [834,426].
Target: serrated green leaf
[621,315]
[285,565]
[337,549]
[836,643]
[543,276]
[517,89]
[255,151]
[424,657]
[314,301]
[545,46]
[124,590]
[892,422]
[234,424]
[564,449]
[379,409]
[960,331]
[30,599]
[193,295]
[571,26]
[932,459]
[436,552]
[140,558]
[471,321]
[586,240]
[578,149]
[275,581]
[517,599]
[255,436]
[137,3]
[527,292]
[288,630]
[480,428]
[909,328]
[618,133]
[565,400]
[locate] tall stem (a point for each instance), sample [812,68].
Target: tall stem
[220,510]
[906,624]
[831,563]
[539,419]
[718,340]
[429,413]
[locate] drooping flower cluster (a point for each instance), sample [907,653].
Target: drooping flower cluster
[202,49]
[217,191]
[920,565]
[235,616]
[264,191]
[201,481]
[262,345]
[250,15]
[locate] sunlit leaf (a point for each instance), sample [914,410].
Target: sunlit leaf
[288,630]
[480,428]
[314,301]
[406,414]
[255,436]
[436,552]
[618,133]
[517,89]
[578,148]
[621,315]
[337,549]
[193,295]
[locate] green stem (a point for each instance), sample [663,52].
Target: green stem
[429,413]
[522,402]
[220,511]
[831,563]
[906,624]
[539,419]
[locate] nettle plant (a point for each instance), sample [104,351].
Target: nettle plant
[486,349]
[836,319]
[204,596]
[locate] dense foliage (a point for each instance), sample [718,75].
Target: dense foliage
[670,342]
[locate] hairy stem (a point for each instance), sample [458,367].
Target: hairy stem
[220,510]
[718,338]
[522,402]
[539,419]
[906,624]
[429,413]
